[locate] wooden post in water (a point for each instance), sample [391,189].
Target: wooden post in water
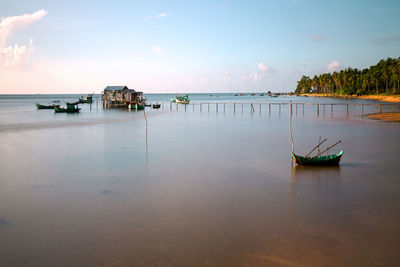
[317,110]
[362,111]
[176,106]
[242,107]
[260,109]
[269,109]
[170,105]
[224,107]
[347,110]
[200,106]
[279,109]
[208,104]
[234,108]
[380,108]
[217,108]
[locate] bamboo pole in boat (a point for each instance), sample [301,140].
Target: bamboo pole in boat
[319,141]
[327,149]
[290,130]
[317,146]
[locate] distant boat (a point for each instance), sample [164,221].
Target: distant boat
[71,108]
[136,106]
[156,106]
[55,104]
[329,160]
[173,99]
[88,99]
[184,99]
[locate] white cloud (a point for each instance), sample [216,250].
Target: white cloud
[157,50]
[159,16]
[263,67]
[333,66]
[9,24]
[16,56]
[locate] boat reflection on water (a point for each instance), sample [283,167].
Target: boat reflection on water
[314,173]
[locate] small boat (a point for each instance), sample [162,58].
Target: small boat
[71,108]
[184,99]
[74,103]
[156,106]
[136,106]
[55,104]
[329,160]
[147,105]
[88,99]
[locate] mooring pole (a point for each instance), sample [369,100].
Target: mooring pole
[317,110]
[347,110]
[291,135]
[362,111]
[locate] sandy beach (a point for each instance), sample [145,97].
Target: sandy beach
[387,116]
[383,98]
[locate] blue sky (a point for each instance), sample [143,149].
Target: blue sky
[188,46]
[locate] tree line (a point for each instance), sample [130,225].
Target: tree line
[383,77]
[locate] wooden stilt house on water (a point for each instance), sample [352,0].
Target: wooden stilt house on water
[122,96]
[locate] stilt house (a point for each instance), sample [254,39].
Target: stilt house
[122,95]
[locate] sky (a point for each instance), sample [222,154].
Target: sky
[51,47]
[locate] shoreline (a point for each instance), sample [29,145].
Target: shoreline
[386,116]
[382,98]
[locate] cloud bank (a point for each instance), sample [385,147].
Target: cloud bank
[16,56]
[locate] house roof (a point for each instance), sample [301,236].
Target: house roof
[118,88]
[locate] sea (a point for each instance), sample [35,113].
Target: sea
[208,183]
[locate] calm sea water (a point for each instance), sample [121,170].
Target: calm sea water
[199,185]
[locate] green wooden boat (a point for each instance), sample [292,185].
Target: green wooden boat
[329,160]
[136,106]
[88,99]
[70,109]
[55,104]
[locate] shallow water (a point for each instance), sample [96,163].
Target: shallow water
[201,187]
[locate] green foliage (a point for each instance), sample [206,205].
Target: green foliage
[383,77]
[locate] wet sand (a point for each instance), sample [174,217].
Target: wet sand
[388,116]
[383,98]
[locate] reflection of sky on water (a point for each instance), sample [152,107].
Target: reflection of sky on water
[207,187]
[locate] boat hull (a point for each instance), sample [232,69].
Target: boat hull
[67,110]
[156,105]
[330,160]
[182,101]
[39,106]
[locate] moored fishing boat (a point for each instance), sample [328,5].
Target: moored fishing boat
[55,104]
[155,106]
[136,106]
[184,99]
[71,108]
[88,99]
[329,160]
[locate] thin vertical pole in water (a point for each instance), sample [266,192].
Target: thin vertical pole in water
[208,107]
[317,110]
[393,108]
[145,118]
[200,106]
[216,108]
[380,108]
[279,109]
[170,105]
[97,103]
[269,109]
[176,106]
[291,135]
[185,107]
[224,107]
[347,110]
[234,108]
[362,111]
[242,107]
[260,109]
